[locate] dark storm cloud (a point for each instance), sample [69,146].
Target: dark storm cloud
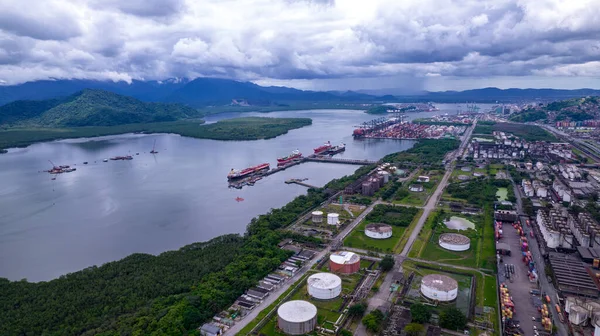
[297,39]
[143,8]
[38,23]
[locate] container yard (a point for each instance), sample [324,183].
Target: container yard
[407,130]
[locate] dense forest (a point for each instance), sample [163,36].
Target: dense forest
[529,116]
[425,151]
[92,108]
[479,191]
[232,129]
[525,132]
[392,215]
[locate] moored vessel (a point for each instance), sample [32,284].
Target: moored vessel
[236,174]
[289,158]
[322,149]
[337,149]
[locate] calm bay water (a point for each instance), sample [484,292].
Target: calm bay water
[106,211]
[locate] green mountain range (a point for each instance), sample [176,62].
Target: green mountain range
[91,108]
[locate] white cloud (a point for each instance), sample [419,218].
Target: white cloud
[282,40]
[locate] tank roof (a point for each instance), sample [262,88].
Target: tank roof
[333,214]
[317,212]
[379,227]
[454,238]
[297,311]
[344,257]
[324,280]
[440,282]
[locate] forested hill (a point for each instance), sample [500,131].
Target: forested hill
[92,108]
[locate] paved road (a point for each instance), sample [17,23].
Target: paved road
[273,296]
[383,295]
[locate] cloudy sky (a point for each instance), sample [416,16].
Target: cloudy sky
[315,44]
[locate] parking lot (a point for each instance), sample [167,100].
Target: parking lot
[518,283]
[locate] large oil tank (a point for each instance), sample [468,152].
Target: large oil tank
[333,218]
[324,286]
[439,287]
[344,262]
[297,317]
[317,216]
[378,231]
[454,242]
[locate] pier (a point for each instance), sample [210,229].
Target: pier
[342,161]
[300,182]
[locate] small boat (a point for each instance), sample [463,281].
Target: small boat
[53,179]
[85,162]
[239,199]
[137,153]
[105,160]
[153,151]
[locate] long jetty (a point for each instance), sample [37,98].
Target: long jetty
[314,158]
[343,161]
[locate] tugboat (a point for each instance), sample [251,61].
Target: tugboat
[289,158]
[237,174]
[322,149]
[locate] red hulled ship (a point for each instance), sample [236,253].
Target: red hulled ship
[289,158]
[236,174]
[323,148]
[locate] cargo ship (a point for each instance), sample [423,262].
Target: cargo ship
[289,158]
[126,157]
[322,149]
[337,149]
[236,174]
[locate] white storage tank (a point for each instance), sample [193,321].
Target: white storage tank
[324,286]
[454,242]
[439,287]
[378,231]
[578,315]
[297,317]
[317,216]
[386,177]
[597,328]
[333,218]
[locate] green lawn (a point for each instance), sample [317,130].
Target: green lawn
[433,251]
[502,194]
[423,236]
[358,239]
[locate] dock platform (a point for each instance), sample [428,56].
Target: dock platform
[300,182]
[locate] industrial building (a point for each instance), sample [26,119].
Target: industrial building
[439,287]
[585,229]
[378,231]
[209,329]
[454,242]
[344,262]
[571,275]
[297,317]
[324,286]
[554,228]
[415,188]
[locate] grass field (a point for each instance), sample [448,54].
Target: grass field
[358,239]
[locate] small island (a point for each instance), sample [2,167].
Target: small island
[93,113]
